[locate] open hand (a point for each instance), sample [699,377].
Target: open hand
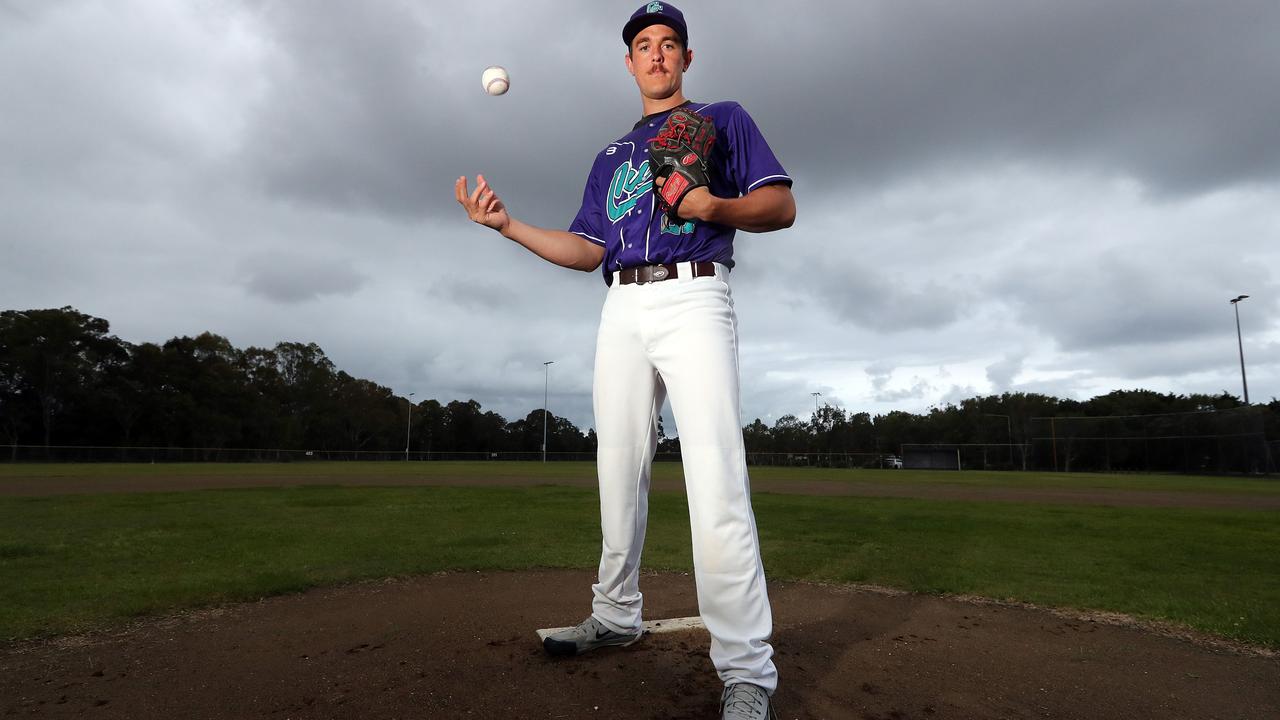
[482,205]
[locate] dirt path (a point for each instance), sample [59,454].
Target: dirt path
[463,645]
[68,485]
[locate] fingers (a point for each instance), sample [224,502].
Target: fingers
[479,203]
[485,198]
[460,190]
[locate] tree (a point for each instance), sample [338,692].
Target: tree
[370,414]
[51,358]
[757,437]
[307,384]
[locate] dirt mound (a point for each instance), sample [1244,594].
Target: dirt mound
[463,645]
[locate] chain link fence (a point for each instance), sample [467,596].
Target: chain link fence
[98,454]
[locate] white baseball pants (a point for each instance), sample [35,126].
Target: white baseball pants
[678,339]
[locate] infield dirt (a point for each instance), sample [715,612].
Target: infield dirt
[463,645]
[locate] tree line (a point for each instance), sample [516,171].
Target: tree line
[66,381]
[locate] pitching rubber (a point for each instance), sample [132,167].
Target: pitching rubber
[652,626]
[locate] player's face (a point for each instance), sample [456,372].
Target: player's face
[658,61]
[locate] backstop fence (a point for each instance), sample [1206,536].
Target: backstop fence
[1205,442]
[1210,441]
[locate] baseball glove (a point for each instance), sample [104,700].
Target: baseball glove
[681,153]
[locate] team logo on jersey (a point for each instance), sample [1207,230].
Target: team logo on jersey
[628,184]
[667,227]
[654,7]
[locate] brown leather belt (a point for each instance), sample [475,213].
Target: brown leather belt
[657,273]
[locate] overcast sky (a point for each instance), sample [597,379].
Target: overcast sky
[1057,197]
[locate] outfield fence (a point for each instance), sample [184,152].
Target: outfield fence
[100,454]
[1201,442]
[1210,442]
[1241,453]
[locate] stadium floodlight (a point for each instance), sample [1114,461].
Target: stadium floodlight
[546,382]
[408,425]
[1235,303]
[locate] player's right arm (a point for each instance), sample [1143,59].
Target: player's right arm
[557,246]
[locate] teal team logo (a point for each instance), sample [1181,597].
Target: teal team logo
[654,7]
[627,186]
[671,228]
[625,189]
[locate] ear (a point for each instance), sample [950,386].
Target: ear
[688,59]
[630,67]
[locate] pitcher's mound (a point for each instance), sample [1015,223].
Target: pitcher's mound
[463,645]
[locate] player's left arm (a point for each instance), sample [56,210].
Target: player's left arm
[767,208]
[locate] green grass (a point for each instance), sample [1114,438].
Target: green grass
[71,563]
[1017,479]
[312,469]
[1217,571]
[585,471]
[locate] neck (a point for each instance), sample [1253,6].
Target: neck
[657,105]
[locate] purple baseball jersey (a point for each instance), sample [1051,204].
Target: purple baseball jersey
[620,210]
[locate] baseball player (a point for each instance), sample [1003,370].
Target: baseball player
[658,216]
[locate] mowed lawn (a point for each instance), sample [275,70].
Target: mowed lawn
[552,472]
[75,562]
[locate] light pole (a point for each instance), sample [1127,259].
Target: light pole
[408,425]
[546,381]
[1240,343]
[815,395]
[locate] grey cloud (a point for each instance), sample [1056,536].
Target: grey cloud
[868,299]
[880,373]
[1002,372]
[1213,355]
[919,390]
[1176,94]
[296,280]
[958,392]
[1114,300]
[1081,183]
[478,295]
[378,108]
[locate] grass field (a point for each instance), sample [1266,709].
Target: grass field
[74,562]
[554,471]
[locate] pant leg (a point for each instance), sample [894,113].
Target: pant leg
[628,396]
[695,350]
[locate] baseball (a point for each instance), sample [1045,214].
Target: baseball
[495,80]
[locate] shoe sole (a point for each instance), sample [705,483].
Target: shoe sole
[564,648]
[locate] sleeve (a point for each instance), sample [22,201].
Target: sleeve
[751,161]
[589,221]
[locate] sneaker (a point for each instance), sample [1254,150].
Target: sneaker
[744,701]
[589,635]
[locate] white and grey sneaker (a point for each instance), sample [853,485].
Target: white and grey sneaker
[589,635]
[745,701]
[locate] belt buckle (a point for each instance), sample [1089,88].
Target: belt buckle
[660,273]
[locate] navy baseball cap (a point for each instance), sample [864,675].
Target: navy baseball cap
[656,13]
